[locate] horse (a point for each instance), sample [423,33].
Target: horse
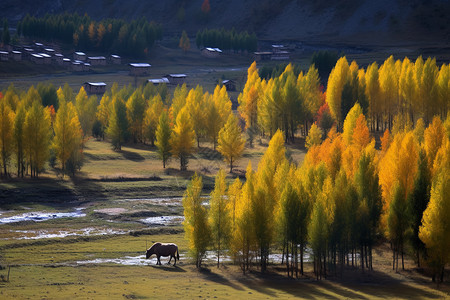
[161,249]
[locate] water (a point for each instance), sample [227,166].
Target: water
[163,220]
[51,234]
[42,216]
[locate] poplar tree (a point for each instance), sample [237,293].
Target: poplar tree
[151,118]
[182,138]
[163,133]
[6,133]
[19,139]
[196,227]
[185,43]
[86,109]
[219,215]
[230,143]
[118,124]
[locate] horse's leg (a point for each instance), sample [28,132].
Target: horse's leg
[175,259]
[170,258]
[159,261]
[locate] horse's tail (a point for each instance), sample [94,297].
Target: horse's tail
[178,254]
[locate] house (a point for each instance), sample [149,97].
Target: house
[49,51]
[97,60]
[37,58]
[47,58]
[230,85]
[4,55]
[16,55]
[258,56]
[79,56]
[280,55]
[158,81]
[94,87]
[77,66]
[115,59]
[211,52]
[176,79]
[86,67]
[139,69]
[58,59]
[27,53]
[66,62]
[278,48]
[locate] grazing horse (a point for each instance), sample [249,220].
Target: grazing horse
[161,249]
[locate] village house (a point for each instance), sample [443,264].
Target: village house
[16,55]
[230,85]
[115,59]
[97,60]
[49,51]
[66,62]
[47,58]
[259,56]
[158,81]
[280,55]
[211,52]
[4,55]
[176,79]
[79,56]
[86,67]
[139,69]
[27,53]
[58,59]
[37,58]
[77,66]
[95,87]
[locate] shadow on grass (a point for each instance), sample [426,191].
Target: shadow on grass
[133,156]
[169,268]
[217,278]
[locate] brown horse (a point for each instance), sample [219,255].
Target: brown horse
[161,249]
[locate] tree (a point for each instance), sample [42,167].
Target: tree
[231,144]
[68,133]
[37,130]
[336,82]
[182,138]
[163,133]
[118,124]
[219,215]
[196,104]
[350,123]
[6,37]
[86,109]
[206,7]
[185,43]
[151,118]
[135,109]
[195,223]
[19,139]
[6,133]
[433,137]
[314,136]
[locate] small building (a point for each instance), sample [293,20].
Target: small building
[58,59]
[176,79]
[49,51]
[66,62]
[158,81]
[230,85]
[97,60]
[37,58]
[278,48]
[86,67]
[79,56]
[4,55]
[77,66]
[139,69]
[211,52]
[258,56]
[38,46]
[94,87]
[280,55]
[115,59]
[16,55]
[27,53]
[47,58]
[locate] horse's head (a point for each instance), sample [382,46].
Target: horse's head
[151,250]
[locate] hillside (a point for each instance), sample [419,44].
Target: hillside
[371,22]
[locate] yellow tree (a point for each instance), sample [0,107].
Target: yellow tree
[118,124]
[219,215]
[350,123]
[248,99]
[336,81]
[104,111]
[86,109]
[163,133]
[184,44]
[178,101]
[182,138]
[389,87]
[6,133]
[196,226]
[195,103]
[19,137]
[314,137]
[218,108]
[373,93]
[155,107]
[443,87]
[37,130]
[68,133]
[433,138]
[230,143]
[135,114]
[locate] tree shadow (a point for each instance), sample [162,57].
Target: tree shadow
[133,156]
[168,268]
[217,278]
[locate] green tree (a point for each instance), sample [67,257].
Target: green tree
[185,43]
[163,133]
[19,137]
[6,133]
[6,37]
[86,110]
[195,224]
[182,138]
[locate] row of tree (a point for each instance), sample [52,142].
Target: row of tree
[133,38]
[32,134]
[343,198]
[226,40]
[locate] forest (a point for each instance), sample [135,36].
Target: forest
[134,38]
[351,191]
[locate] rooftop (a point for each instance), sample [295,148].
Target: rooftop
[95,83]
[140,65]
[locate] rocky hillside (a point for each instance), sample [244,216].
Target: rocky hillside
[365,21]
